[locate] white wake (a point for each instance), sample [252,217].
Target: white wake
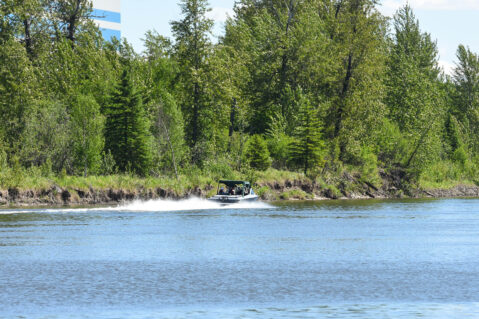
[156,205]
[191,204]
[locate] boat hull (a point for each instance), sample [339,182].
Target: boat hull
[232,199]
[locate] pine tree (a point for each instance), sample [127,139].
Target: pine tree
[127,134]
[258,154]
[306,149]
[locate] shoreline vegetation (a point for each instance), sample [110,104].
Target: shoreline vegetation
[271,185]
[305,99]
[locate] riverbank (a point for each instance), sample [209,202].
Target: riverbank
[270,186]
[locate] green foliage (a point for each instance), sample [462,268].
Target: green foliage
[278,142]
[369,168]
[170,133]
[355,89]
[306,151]
[192,47]
[157,46]
[219,168]
[17,89]
[127,134]
[262,191]
[237,150]
[447,174]
[465,99]
[333,192]
[292,84]
[460,155]
[294,194]
[391,144]
[453,139]
[47,136]
[257,153]
[108,165]
[87,133]
[418,112]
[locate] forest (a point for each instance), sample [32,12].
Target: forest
[314,88]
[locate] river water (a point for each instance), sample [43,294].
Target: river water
[193,259]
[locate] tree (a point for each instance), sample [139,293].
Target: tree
[354,86]
[466,96]
[278,142]
[192,47]
[170,132]
[414,98]
[412,64]
[307,147]
[157,46]
[29,21]
[87,133]
[70,16]
[18,90]
[333,50]
[257,154]
[127,134]
[159,74]
[47,138]
[265,39]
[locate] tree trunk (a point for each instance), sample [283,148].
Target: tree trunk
[232,122]
[73,20]
[344,93]
[232,117]
[28,37]
[195,113]
[419,143]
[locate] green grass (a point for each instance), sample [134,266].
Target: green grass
[25,180]
[446,175]
[35,179]
[275,176]
[442,175]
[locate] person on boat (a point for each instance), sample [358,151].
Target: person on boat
[232,190]
[222,191]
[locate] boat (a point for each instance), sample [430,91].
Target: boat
[230,192]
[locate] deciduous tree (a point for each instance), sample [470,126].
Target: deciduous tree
[87,133]
[192,48]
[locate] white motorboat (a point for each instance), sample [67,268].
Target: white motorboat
[230,192]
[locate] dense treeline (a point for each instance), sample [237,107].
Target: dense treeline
[317,86]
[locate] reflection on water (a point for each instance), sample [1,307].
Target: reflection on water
[331,259]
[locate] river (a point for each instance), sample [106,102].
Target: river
[193,259]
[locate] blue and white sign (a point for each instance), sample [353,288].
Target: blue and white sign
[107,14]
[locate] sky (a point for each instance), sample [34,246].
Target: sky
[450,22]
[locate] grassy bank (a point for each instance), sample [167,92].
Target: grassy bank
[34,186]
[36,180]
